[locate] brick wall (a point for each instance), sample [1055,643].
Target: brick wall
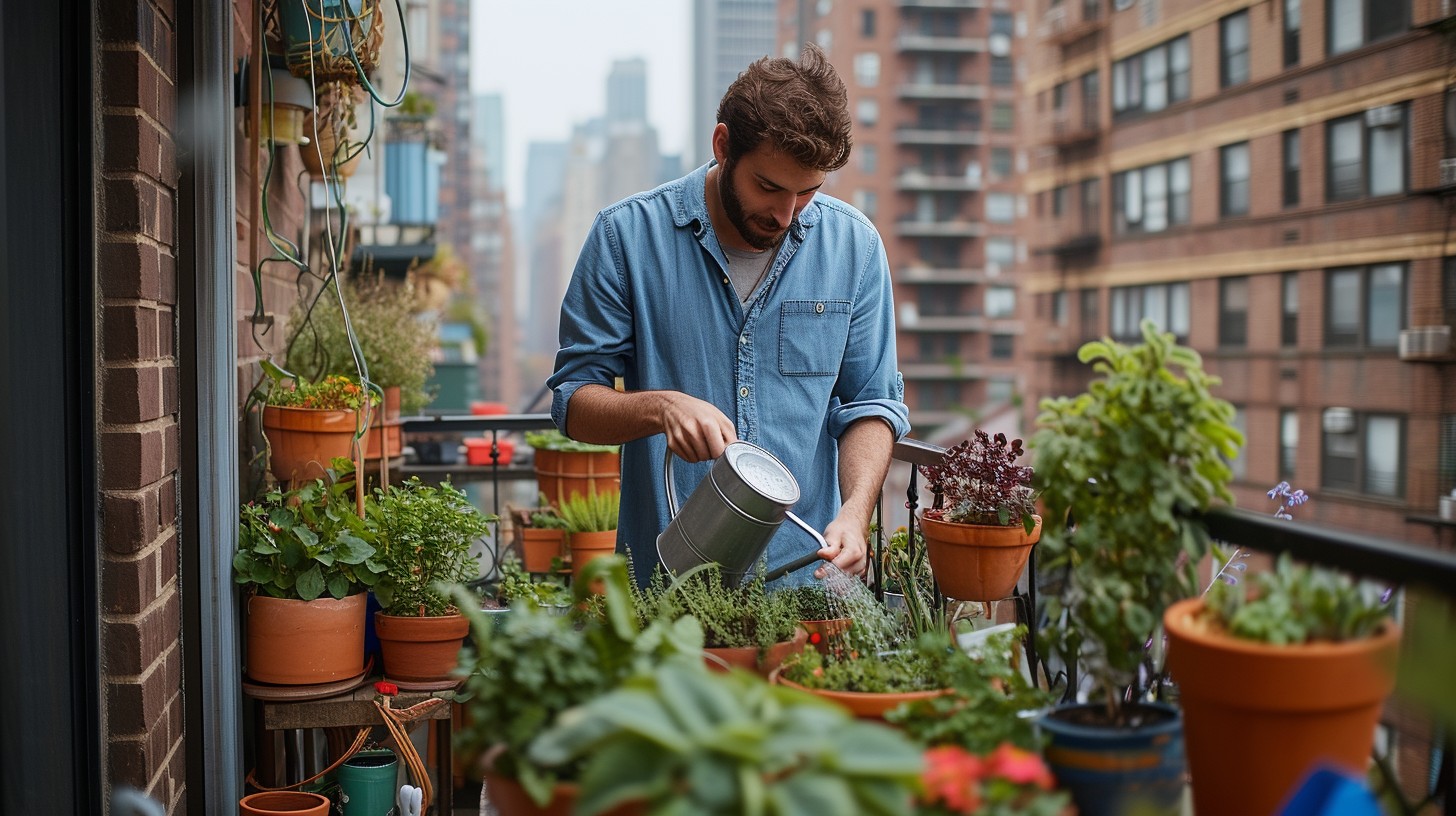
[143,743]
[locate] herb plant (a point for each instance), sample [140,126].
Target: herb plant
[1296,604]
[335,392]
[594,512]
[554,440]
[920,666]
[982,484]
[425,535]
[744,616]
[810,602]
[302,543]
[517,588]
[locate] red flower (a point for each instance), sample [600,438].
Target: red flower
[387,689]
[1016,765]
[951,777]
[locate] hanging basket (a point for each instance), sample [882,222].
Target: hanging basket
[324,38]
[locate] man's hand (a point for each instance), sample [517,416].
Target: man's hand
[847,548]
[696,430]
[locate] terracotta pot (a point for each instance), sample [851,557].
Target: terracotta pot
[327,146]
[562,473]
[1277,709]
[821,633]
[863,704]
[748,659]
[386,433]
[510,799]
[293,642]
[304,440]
[477,451]
[391,403]
[419,649]
[539,546]
[977,562]
[295,803]
[586,546]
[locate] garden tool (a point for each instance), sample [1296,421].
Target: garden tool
[410,798]
[730,517]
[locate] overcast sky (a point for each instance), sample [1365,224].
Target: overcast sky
[550,59]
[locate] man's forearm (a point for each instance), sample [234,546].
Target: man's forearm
[604,416]
[865,449]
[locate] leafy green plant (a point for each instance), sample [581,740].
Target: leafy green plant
[900,564]
[302,543]
[545,517]
[516,588]
[922,665]
[335,392]
[742,616]
[554,440]
[424,537]
[684,740]
[1128,464]
[982,484]
[1296,604]
[810,602]
[394,333]
[595,512]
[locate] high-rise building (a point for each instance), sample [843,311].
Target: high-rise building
[727,36]
[492,253]
[932,88]
[627,91]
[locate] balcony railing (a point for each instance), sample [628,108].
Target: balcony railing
[914,41]
[940,89]
[1066,23]
[949,133]
[919,180]
[928,228]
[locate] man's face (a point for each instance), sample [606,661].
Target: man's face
[763,192]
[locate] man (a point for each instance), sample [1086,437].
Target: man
[739,303]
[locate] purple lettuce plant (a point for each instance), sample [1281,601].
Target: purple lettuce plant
[982,484]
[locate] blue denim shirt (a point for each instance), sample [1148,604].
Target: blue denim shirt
[650,301]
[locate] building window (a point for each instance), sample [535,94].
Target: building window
[867,202]
[1059,307]
[1368,153]
[1240,463]
[1003,116]
[1365,306]
[1087,312]
[1365,455]
[869,159]
[868,111]
[1000,301]
[1151,80]
[1233,312]
[1001,162]
[867,69]
[1003,346]
[936,347]
[938,301]
[1003,22]
[1289,141]
[1000,208]
[1353,23]
[867,23]
[1288,443]
[1089,99]
[1233,49]
[1000,391]
[1003,71]
[1152,198]
[1000,252]
[1291,32]
[938,396]
[1166,304]
[1446,459]
[1448,290]
[1059,201]
[1233,180]
[1289,309]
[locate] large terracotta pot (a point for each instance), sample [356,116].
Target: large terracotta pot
[539,546]
[420,649]
[977,562]
[562,473]
[863,704]
[1266,715]
[294,803]
[723,658]
[510,799]
[304,440]
[293,642]
[586,546]
[392,398]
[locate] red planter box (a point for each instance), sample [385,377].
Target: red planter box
[477,451]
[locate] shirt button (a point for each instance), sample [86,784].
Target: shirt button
[819,308]
[743,392]
[743,338]
[725,280]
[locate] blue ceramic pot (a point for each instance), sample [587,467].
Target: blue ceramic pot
[1114,771]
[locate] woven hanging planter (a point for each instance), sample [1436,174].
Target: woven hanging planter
[323,38]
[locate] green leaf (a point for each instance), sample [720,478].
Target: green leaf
[624,774]
[810,794]
[310,584]
[339,586]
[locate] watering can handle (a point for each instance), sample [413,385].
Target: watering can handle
[802,561]
[667,482]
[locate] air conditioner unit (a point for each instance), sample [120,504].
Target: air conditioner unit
[1338,420]
[1425,343]
[999,45]
[1448,172]
[1383,116]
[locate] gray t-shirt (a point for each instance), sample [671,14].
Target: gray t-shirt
[747,270]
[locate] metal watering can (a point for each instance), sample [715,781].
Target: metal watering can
[730,517]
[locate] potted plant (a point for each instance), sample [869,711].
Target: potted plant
[309,424]
[821,620]
[978,540]
[591,527]
[565,466]
[683,739]
[1124,468]
[1284,675]
[425,534]
[516,587]
[744,626]
[307,560]
[1007,780]
[867,677]
[332,127]
[541,536]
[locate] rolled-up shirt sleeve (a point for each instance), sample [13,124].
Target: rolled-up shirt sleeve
[596,332]
[869,382]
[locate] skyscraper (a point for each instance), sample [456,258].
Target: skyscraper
[727,36]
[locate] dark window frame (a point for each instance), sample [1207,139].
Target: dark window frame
[1359,481]
[867,23]
[1120,221]
[1131,70]
[1230,191]
[1001,347]
[1365,169]
[1233,323]
[1288,310]
[1291,25]
[1128,297]
[1233,63]
[1359,337]
[1290,162]
[1391,16]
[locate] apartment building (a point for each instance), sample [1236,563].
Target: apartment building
[1271,181]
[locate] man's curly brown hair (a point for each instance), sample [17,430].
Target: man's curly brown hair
[800,108]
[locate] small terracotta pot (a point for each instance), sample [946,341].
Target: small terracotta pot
[586,546]
[747,657]
[420,649]
[821,633]
[510,799]
[539,546]
[392,400]
[977,562]
[862,704]
[386,434]
[304,440]
[1278,709]
[294,803]
[293,642]
[562,473]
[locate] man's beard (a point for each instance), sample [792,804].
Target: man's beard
[756,236]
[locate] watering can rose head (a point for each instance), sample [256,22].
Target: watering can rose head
[982,484]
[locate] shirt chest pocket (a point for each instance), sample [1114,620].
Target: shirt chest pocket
[812,336]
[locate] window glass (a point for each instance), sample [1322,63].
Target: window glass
[1178,309]
[1340,453]
[1000,301]
[867,69]
[1240,463]
[1181,62]
[1387,158]
[1382,456]
[1384,312]
[1345,159]
[1155,80]
[1346,25]
[1288,443]
[869,158]
[1181,180]
[1000,208]
[1234,194]
[1001,250]
[869,112]
[1234,33]
[1344,307]
[1155,198]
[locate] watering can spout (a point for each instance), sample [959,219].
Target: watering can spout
[732,514]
